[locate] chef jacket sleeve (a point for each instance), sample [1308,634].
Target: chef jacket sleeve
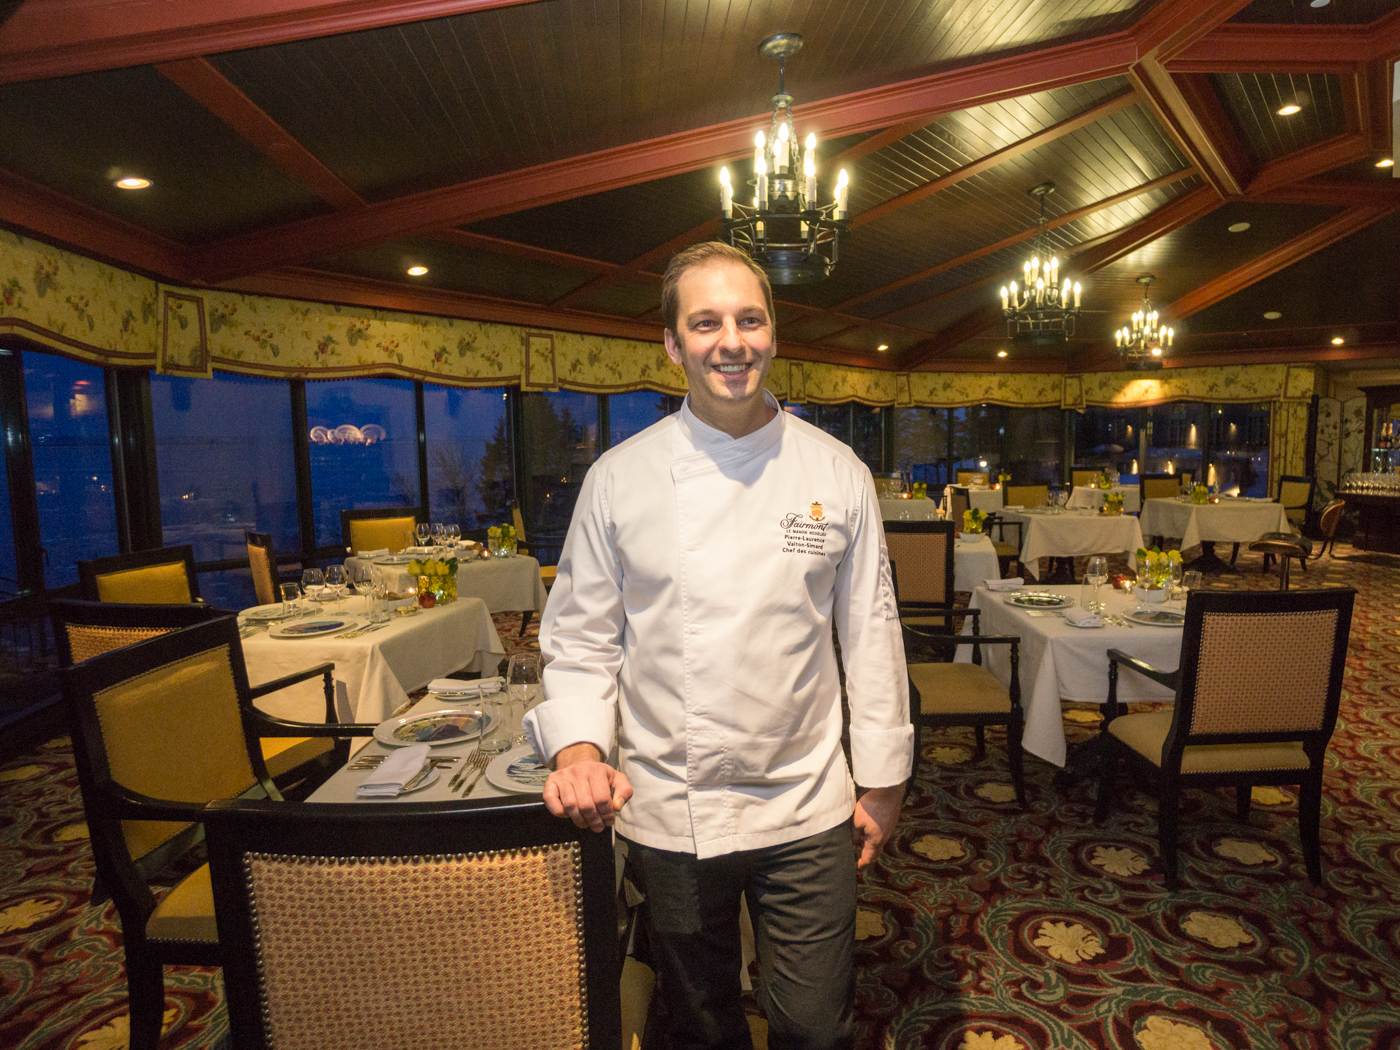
[581,635]
[872,649]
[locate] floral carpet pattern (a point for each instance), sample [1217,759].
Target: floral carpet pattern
[982,928]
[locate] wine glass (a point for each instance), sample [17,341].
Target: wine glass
[1095,576]
[439,533]
[1191,580]
[523,684]
[454,533]
[336,581]
[312,580]
[424,530]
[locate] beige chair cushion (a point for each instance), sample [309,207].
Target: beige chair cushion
[958,689]
[264,574]
[186,913]
[1161,488]
[1027,496]
[167,584]
[1146,733]
[377,534]
[284,753]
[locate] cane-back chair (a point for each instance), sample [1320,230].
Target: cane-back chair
[262,561]
[924,550]
[1327,524]
[164,576]
[383,528]
[959,500]
[488,923]
[1257,694]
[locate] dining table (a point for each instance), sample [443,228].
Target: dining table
[910,509]
[1061,662]
[974,561]
[511,583]
[1049,533]
[1086,497]
[374,671]
[1231,520]
[987,500]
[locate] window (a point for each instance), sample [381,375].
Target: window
[1033,437]
[225,463]
[921,444]
[630,414]
[1107,439]
[1239,449]
[471,476]
[977,432]
[868,436]
[364,438]
[1174,437]
[560,441]
[67,405]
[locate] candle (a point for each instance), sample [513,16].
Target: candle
[842,189]
[1005,300]
[1171,333]
[726,194]
[1039,291]
[1054,270]
[1118,337]
[1014,299]
[1076,295]
[761,170]
[758,143]
[809,169]
[781,150]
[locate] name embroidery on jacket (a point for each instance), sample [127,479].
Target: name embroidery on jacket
[805,533]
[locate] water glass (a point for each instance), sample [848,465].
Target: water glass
[523,683]
[497,736]
[1095,576]
[289,599]
[1191,581]
[336,581]
[378,600]
[312,580]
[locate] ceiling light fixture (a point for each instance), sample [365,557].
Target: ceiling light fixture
[1238,227]
[1290,109]
[1142,345]
[1337,340]
[1272,315]
[1385,162]
[1318,3]
[1001,353]
[417,271]
[883,347]
[131,182]
[787,230]
[1040,311]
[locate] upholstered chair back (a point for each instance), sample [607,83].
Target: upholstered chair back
[958,501]
[973,477]
[1027,496]
[922,558]
[1083,477]
[150,585]
[1295,496]
[263,565]
[374,534]
[1161,486]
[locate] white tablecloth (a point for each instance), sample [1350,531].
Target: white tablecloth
[974,561]
[1060,662]
[1073,534]
[504,584]
[1085,498]
[375,672]
[1229,521]
[909,509]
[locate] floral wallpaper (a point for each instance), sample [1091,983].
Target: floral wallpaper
[1353,456]
[1329,440]
[1230,383]
[955,389]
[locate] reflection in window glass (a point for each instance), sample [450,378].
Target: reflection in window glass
[1107,439]
[1174,438]
[630,414]
[921,444]
[1033,446]
[1239,449]
[67,406]
[836,421]
[9,569]
[363,449]
[803,412]
[560,440]
[867,436]
[470,476]
[977,440]
[230,589]
[224,456]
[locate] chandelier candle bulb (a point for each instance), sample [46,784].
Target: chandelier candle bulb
[761,171]
[726,194]
[758,144]
[842,189]
[1005,300]
[781,149]
[1076,295]
[1054,270]
[1039,290]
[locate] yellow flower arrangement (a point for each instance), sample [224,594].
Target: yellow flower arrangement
[1154,567]
[973,519]
[1113,503]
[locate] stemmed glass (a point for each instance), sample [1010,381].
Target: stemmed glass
[454,533]
[424,530]
[336,581]
[312,580]
[439,533]
[1054,499]
[1191,581]
[523,684]
[362,576]
[1095,576]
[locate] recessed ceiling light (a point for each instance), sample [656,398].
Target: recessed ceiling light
[883,347]
[1385,162]
[417,271]
[1318,3]
[1289,110]
[1272,315]
[1238,227]
[1001,353]
[1337,340]
[132,182]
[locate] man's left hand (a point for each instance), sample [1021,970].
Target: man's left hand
[877,812]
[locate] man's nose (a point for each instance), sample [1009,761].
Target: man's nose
[729,337]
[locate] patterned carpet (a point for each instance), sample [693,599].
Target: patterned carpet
[983,928]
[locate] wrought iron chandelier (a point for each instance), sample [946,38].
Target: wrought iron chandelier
[1143,344]
[786,230]
[1041,311]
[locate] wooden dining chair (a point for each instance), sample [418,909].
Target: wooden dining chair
[162,576]
[1327,524]
[262,562]
[483,923]
[959,502]
[1257,694]
[1027,496]
[1079,478]
[925,550]
[380,528]
[973,477]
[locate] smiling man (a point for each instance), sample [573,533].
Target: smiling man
[707,561]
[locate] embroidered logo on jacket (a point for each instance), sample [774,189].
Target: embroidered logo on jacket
[805,534]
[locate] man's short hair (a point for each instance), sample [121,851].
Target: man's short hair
[703,254]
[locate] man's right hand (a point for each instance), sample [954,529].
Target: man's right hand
[585,789]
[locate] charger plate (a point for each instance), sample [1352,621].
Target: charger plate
[1038,600]
[431,728]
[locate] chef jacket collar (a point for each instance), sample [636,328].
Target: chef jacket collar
[705,438]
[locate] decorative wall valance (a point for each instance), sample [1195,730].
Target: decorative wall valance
[102,314]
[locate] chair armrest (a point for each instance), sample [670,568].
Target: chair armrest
[270,725]
[132,805]
[1166,678]
[258,691]
[967,639]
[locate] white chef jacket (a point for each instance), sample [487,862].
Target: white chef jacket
[696,593]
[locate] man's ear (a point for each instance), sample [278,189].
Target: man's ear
[673,350]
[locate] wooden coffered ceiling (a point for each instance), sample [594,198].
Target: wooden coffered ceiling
[544,159]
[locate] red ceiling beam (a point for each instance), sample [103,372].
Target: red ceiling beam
[991,160]
[1172,108]
[49,38]
[1324,194]
[1171,26]
[212,90]
[516,250]
[1274,260]
[1310,162]
[1234,48]
[53,217]
[1374,85]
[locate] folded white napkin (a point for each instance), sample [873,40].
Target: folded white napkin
[1014,506]
[1081,618]
[372,554]
[456,685]
[1015,583]
[394,772]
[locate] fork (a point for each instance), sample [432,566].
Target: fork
[477,767]
[467,767]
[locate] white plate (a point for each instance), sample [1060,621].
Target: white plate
[387,732]
[325,626]
[1038,600]
[263,613]
[434,775]
[393,559]
[1157,618]
[1084,626]
[498,772]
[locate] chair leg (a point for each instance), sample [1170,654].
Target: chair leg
[1234,553]
[1242,800]
[981,733]
[525,621]
[145,991]
[1015,760]
[1108,766]
[1168,799]
[1309,821]
[1303,561]
[1283,565]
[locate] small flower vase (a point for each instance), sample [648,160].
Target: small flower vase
[443,587]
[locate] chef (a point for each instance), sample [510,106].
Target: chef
[706,563]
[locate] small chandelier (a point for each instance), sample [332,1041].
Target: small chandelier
[786,230]
[1142,345]
[1039,312]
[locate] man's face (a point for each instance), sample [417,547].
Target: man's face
[726,341]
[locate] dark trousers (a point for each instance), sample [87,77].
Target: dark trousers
[802,900]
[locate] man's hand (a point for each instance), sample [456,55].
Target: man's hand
[877,812]
[584,789]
